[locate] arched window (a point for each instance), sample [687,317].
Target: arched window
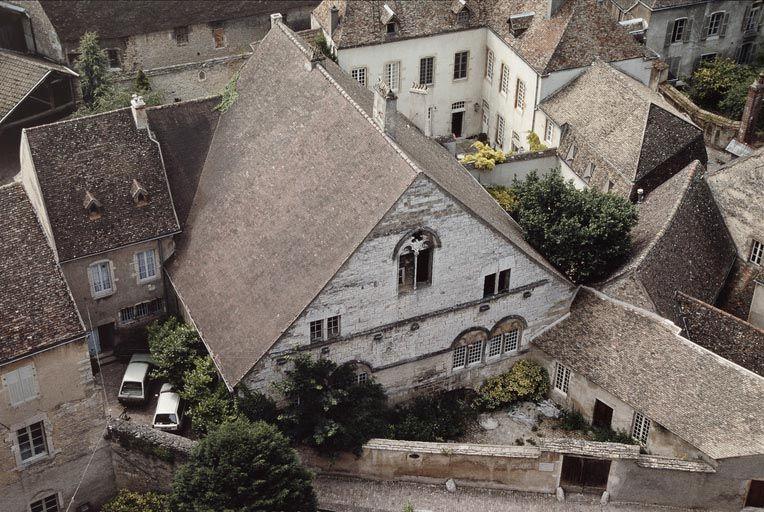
[506,337]
[468,348]
[415,253]
[360,372]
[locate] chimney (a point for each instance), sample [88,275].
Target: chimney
[747,128]
[334,20]
[552,6]
[138,107]
[276,18]
[640,195]
[385,107]
[316,56]
[658,74]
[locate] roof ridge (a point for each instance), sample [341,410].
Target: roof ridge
[719,311]
[74,119]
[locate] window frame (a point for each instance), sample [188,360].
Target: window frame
[489,64]
[387,68]
[494,347]
[520,95]
[415,260]
[548,130]
[756,256]
[155,266]
[35,457]
[358,71]
[335,331]
[515,336]
[715,21]
[223,39]
[22,383]
[500,127]
[45,508]
[495,278]
[504,80]
[562,375]
[97,294]
[423,70]
[316,336]
[116,57]
[154,308]
[463,17]
[461,64]
[459,353]
[486,115]
[183,31]
[677,36]
[640,428]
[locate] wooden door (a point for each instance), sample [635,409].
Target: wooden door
[603,415]
[581,474]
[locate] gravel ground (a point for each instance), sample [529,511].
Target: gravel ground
[337,494]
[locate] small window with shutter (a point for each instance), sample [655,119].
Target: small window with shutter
[21,384]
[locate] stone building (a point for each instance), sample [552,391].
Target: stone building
[51,412]
[465,67]
[100,190]
[617,135]
[685,32]
[383,253]
[188,49]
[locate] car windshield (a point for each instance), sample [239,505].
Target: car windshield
[166,419]
[132,389]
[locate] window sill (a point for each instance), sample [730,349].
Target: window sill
[24,402]
[464,79]
[34,461]
[98,296]
[148,280]
[408,291]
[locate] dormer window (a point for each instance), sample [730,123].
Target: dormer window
[139,194]
[415,257]
[92,206]
[392,28]
[389,19]
[463,17]
[519,23]
[571,153]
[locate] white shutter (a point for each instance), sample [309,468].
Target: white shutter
[725,22]
[21,384]
[687,30]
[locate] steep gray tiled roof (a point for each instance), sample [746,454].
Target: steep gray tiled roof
[20,74]
[36,308]
[680,243]
[121,18]
[577,34]
[623,122]
[296,177]
[709,402]
[100,154]
[737,189]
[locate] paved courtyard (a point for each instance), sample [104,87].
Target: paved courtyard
[338,494]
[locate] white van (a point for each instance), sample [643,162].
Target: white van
[169,414]
[135,381]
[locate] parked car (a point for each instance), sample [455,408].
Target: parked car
[169,412]
[134,387]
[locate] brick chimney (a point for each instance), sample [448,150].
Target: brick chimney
[751,111]
[552,6]
[138,106]
[385,107]
[334,20]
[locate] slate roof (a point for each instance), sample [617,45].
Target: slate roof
[709,402]
[283,189]
[680,243]
[20,74]
[36,308]
[630,126]
[122,18]
[577,34]
[737,189]
[184,131]
[100,154]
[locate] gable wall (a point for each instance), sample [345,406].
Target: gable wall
[364,292]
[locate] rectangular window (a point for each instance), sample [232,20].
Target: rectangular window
[489,65]
[146,265]
[392,75]
[361,377]
[494,346]
[426,66]
[359,75]
[520,95]
[548,131]
[47,504]
[516,146]
[750,23]
[677,32]
[141,311]
[486,115]
[500,131]
[316,330]
[511,340]
[504,84]
[460,357]
[460,65]
[489,285]
[31,441]
[714,24]
[475,353]
[21,384]
[757,252]
[496,283]
[100,279]
[641,427]
[503,281]
[180,34]
[561,378]
[333,326]
[113,56]
[218,34]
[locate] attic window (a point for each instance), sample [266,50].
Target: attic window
[463,17]
[571,153]
[519,23]
[92,206]
[388,18]
[392,28]
[139,194]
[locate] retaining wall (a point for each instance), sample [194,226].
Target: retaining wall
[718,130]
[517,166]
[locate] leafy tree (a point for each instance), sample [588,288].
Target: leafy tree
[142,82]
[129,501]
[484,157]
[208,401]
[582,232]
[722,85]
[535,142]
[434,418]
[92,66]
[526,380]
[256,406]
[328,409]
[504,196]
[243,467]
[174,346]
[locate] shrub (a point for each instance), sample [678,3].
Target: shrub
[255,406]
[504,196]
[582,232]
[174,346]
[607,435]
[129,501]
[435,418]
[243,467]
[328,409]
[573,420]
[526,380]
[721,85]
[208,402]
[485,157]
[229,95]
[323,45]
[535,142]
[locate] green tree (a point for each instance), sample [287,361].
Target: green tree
[129,501]
[142,83]
[243,467]
[93,67]
[328,409]
[208,401]
[582,232]
[255,406]
[535,142]
[526,380]
[722,85]
[504,196]
[174,346]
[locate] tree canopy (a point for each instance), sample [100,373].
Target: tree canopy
[721,85]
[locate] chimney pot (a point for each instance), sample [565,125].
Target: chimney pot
[385,107]
[334,20]
[276,18]
[640,195]
[138,106]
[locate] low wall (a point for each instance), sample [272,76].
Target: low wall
[517,166]
[718,130]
